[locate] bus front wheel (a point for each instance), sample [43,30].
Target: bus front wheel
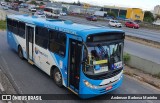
[20,53]
[57,77]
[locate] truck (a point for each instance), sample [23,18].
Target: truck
[100,13]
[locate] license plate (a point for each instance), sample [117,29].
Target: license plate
[108,88]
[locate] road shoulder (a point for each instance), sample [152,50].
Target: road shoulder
[143,76]
[6,87]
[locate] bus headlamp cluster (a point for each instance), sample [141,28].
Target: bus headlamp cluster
[90,85]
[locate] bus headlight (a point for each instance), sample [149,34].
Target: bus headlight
[90,85]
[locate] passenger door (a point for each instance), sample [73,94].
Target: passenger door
[30,31]
[75,51]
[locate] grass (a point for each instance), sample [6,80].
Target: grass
[2,25]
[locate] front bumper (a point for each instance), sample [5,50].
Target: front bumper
[88,92]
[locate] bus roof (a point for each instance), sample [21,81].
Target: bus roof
[64,26]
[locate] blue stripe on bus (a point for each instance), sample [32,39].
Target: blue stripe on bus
[12,40]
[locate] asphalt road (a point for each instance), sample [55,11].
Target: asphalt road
[30,80]
[153,35]
[142,51]
[145,52]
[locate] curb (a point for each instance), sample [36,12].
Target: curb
[141,78]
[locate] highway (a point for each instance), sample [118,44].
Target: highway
[140,50]
[30,80]
[153,35]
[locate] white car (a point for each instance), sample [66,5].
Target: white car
[5,8]
[115,23]
[3,3]
[40,15]
[63,14]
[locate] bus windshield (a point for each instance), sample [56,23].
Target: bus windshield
[103,57]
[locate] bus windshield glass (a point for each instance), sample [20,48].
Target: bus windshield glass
[103,57]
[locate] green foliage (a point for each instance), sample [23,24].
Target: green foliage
[112,14]
[126,57]
[148,17]
[7,0]
[78,3]
[41,3]
[33,2]
[2,25]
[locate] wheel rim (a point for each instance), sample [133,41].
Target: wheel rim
[57,77]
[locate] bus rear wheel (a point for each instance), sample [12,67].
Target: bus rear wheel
[20,53]
[57,77]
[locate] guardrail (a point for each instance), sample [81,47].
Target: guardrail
[144,65]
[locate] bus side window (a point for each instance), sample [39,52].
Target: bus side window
[15,27]
[21,30]
[9,25]
[57,42]
[41,38]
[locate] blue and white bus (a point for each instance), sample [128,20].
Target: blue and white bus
[85,59]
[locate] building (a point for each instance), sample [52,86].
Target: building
[73,8]
[157,10]
[125,13]
[135,14]
[119,11]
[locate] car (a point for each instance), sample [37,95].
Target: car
[63,13]
[91,18]
[10,7]
[108,18]
[137,21]
[115,23]
[40,12]
[3,3]
[40,15]
[132,24]
[5,8]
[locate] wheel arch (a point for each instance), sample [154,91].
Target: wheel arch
[19,46]
[52,69]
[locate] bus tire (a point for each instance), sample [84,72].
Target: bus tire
[57,77]
[20,53]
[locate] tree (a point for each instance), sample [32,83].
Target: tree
[7,0]
[41,3]
[148,17]
[78,3]
[74,3]
[112,14]
[33,2]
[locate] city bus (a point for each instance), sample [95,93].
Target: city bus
[87,60]
[52,12]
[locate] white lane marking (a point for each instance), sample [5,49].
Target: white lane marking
[1,87]
[5,63]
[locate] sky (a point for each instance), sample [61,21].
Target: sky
[143,4]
